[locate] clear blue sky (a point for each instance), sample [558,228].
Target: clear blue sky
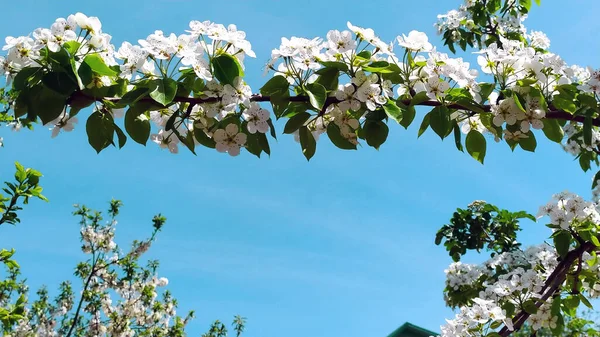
[340,246]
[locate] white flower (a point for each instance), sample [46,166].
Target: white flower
[539,40]
[91,24]
[370,94]
[257,118]
[340,42]
[345,94]
[166,139]
[229,140]
[63,122]
[238,93]
[415,40]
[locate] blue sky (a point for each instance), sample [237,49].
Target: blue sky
[342,245]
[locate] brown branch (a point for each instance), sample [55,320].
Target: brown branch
[551,114]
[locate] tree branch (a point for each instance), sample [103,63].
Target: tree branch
[552,113]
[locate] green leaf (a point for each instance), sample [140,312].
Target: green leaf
[60,82]
[163,90]
[21,79]
[587,130]
[476,145]
[562,242]
[100,130]
[553,130]
[336,65]
[96,63]
[121,136]
[263,142]
[335,135]
[133,96]
[571,302]
[439,119]
[408,115]
[71,46]
[307,142]
[203,139]
[376,133]
[272,128]
[457,138]
[381,67]
[519,101]
[296,122]
[470,104]
[424,125]
[529,143]
[586,302]
[226,68]
[276,85]
[530,307]
[564,104]
[365,54]
[485,90]
[188,140]
[393,110]
[45,103]
[85,74]
[588,100]
[252,145]
[317,95]
[278,89]
[138,129]
[419,98]
[329,78]
[596,180]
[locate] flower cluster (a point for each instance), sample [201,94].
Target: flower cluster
[506,280]
[466,15]
[567,210]
[363,58]
[495,291]
[157,57]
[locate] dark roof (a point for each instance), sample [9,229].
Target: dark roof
[411,330]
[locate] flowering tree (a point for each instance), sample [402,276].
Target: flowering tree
[189,90]
[119,296]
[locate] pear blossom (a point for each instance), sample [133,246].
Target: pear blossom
[166,140]
[257,118]
[416,41]
[230,139]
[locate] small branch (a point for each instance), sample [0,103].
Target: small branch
[13,203]
[87,283]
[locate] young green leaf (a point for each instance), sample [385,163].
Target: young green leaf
[226,68]
[317,95]
[96,63]
[376,133]
[100,129]
[307,142]
[163,90]
[476,145]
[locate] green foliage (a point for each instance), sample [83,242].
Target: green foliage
[26,186]
[481,226]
